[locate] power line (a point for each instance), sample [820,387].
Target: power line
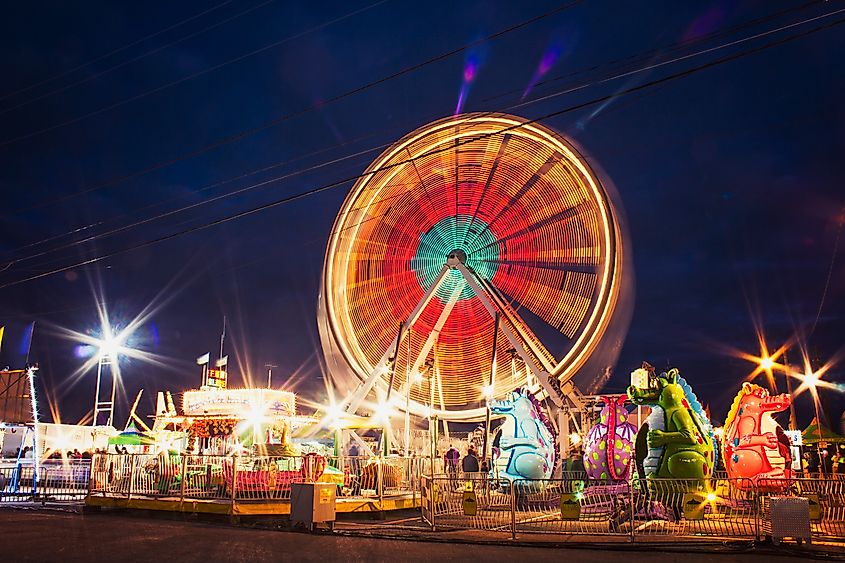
[113,52]
[205,188]
[163,87]
[632,59]
[125,227]
[681,58]
[840,219]
[133,59]
[286,117]
[325,187]
[656,52]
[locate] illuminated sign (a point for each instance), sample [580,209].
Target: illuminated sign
[217,378]
[239,403]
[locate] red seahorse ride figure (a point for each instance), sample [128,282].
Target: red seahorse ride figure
[755,448]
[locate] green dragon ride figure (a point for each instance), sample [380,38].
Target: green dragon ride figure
[675,442]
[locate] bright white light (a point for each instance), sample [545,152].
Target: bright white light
[711,497]
[487,391]
[110,348]
[417,377]
[255,416]
[383,412]
[334,416]
[574,439]
[334,412]
[767,363]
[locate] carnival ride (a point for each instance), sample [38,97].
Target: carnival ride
[474,238]
[609,447]
[677,439]
[526,442]
[755,449]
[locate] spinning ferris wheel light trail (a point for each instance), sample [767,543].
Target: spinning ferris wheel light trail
[479,216]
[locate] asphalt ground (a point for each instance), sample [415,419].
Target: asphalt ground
[38,535]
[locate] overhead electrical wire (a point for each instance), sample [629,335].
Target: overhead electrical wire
[112,52]
[127,226]
[286,117]
[630,60]
[331,185]
[178,81]
[703,52]
[840,219]
[135,59]
[651,54]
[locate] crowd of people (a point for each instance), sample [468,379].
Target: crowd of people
[825,461]
[27,451]
[471,464]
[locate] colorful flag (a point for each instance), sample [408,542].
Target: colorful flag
[2,330]
[26,342]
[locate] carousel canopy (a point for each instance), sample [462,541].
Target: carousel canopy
[821,433]
[131,437]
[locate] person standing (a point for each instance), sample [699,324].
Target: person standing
[469,464]
[451,458]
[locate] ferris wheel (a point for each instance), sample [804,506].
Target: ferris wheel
[477,254]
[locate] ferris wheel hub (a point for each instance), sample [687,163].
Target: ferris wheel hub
[456,256]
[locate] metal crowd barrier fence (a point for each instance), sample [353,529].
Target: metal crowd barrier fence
[718,508]
[466,501]
[826,499]
[55,481]
[246,478]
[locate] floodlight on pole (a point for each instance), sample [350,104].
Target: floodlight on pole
[109,349]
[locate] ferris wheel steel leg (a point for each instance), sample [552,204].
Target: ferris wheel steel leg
[442,404]
[484,296]
[491,383]
[567,388]
[438,326]
[385,361]
[395,357]
[513,317]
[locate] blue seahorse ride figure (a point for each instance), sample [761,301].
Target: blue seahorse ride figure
[526,442]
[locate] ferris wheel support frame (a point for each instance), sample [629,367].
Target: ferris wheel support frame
[493,305]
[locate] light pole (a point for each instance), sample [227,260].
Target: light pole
[270,374]
[107,358]
[811,380]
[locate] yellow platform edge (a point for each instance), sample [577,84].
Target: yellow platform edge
[248,508]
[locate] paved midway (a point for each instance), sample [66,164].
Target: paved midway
[29,535]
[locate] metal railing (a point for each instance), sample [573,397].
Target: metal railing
[718,508]
[826,498]
[246,478]
[55,481]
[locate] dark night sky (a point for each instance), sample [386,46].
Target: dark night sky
[730,177]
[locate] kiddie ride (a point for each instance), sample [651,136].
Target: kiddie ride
[673,451]
[526,443]
[755,448]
